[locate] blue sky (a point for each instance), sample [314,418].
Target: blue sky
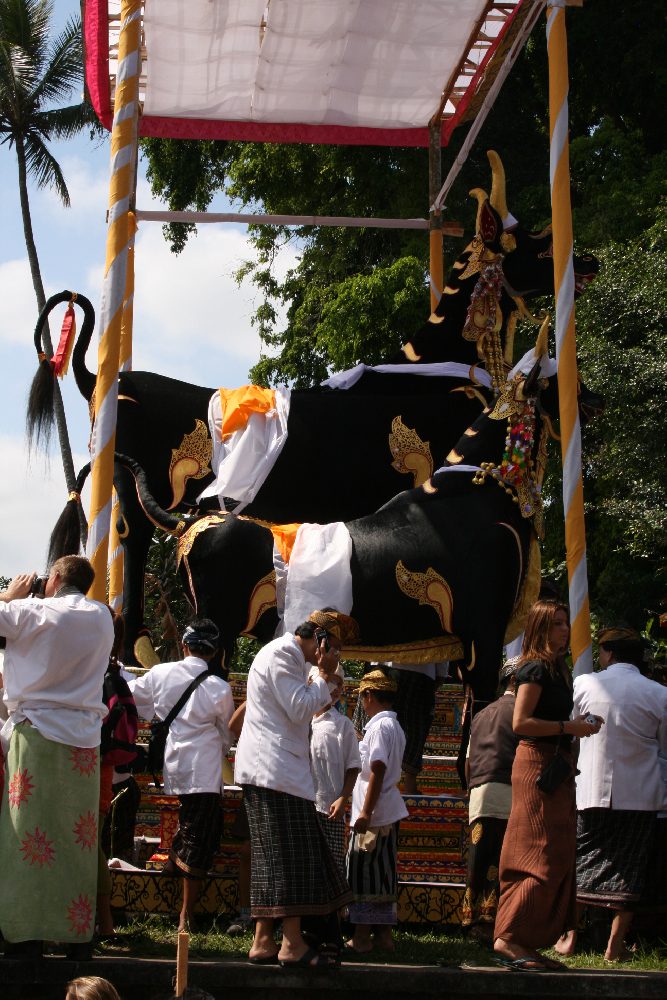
[191,320]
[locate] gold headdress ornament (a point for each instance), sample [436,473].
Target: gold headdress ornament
[340,626]
[377,681]
[618,633]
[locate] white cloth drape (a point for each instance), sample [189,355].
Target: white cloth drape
[373,63]
[242,462]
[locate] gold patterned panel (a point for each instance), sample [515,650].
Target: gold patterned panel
[191,460]
[428,588]
[409,452]
[153,892]
[262,598]
[445,647]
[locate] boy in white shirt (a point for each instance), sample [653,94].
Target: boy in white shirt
[335,764]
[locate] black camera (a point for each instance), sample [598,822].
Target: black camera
[38,586]
[323,636]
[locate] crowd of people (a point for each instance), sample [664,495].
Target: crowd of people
[565,782]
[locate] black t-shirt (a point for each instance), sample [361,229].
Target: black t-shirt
[555,701]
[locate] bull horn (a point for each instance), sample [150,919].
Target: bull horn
[542,342]
[498,194]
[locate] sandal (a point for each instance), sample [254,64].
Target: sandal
[526,963]
[310,959]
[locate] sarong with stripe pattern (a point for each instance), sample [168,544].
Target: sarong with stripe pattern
[537,862]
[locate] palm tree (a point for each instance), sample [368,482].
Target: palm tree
[36,73]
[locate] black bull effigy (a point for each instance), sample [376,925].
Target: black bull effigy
[386,427]
[446,570]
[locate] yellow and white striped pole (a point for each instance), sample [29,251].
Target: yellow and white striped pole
[566,353]
[116,555]
[119,236]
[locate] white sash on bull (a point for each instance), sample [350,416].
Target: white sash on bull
[243,459]
[318,575]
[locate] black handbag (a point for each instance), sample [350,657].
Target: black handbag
[157,741]
[554,773]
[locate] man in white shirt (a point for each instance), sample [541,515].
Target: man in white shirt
[293,871]
[56,656]
[620,789]
[198,737]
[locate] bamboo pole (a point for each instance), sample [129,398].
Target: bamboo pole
[435,216]
[182,950]
[119,237]
[566,354]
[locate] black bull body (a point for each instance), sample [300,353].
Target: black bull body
[439,572]
[371,436]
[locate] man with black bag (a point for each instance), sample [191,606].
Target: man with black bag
[198,706]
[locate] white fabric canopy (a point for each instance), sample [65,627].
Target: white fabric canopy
[373,63]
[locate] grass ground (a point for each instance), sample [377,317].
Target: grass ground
[155,937]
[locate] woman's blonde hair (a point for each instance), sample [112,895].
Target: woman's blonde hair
[536,636]
[91,988]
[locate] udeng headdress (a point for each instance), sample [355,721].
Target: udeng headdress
[340,626]
[377,681]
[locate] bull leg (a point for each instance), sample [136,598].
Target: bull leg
[136,532]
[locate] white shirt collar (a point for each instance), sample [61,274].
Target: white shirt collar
[386,714]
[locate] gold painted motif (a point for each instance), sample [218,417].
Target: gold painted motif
[191,460]
[428,588]
[187,539]
[262,598]
[144,652]
[477,832]
[410,453]
[445,647]
[528,594]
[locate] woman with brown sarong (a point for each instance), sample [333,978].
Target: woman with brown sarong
[537,863]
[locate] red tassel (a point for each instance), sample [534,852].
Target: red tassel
[60,359]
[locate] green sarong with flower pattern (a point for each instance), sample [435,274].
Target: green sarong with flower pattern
[48,840]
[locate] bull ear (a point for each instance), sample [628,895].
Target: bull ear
[487,225]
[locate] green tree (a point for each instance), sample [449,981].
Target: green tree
[623,355]
[35,74]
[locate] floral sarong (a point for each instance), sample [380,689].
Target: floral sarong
[48,840]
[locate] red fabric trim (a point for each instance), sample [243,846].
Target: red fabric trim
[96,58]
[343,135]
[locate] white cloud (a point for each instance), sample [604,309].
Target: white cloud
[32,495]
[19,309]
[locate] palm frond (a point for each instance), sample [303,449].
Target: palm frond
[65,123]
[43,167]
[64,68]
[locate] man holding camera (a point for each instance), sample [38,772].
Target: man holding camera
[57,652]
[294,873]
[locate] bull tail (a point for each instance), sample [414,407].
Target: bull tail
[40,414]
[161,518]
[66,535]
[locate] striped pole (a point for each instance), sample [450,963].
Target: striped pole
[566,353]
[116,554]
[119,237]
